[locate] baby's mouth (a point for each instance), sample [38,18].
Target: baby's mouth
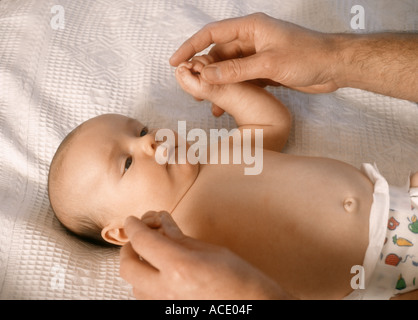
[169,154]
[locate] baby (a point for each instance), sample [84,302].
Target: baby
[304,221]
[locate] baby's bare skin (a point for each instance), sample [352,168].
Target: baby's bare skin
[290,221]
[258,46]
[303,221]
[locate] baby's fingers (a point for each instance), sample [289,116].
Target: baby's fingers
[189,81]
[201,61]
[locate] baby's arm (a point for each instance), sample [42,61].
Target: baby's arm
[251,106]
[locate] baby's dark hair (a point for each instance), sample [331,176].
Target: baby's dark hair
[87,228]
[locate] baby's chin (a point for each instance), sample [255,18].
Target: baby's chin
[181,159]
[179,164]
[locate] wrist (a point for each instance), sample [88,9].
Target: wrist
[342,57]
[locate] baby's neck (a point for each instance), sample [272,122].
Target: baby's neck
[217,190]
[199,166]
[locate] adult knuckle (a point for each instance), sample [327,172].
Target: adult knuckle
[234,69]
[209,29]
[209,25]
[259,15]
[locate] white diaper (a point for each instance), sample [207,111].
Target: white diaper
[391,260]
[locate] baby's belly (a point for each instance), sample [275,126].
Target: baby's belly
[318,221]
[317,185]
[303,221]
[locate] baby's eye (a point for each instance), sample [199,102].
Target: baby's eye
[128,164]
[143,132]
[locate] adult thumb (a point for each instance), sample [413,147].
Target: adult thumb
[236,70]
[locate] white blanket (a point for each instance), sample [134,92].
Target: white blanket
[112,56]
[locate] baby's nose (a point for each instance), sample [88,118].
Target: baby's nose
[148,144]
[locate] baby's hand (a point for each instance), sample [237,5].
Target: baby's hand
[189,78]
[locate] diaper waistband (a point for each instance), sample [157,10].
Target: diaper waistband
[377,226]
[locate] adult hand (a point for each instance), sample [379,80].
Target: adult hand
[162,263]
[261,47]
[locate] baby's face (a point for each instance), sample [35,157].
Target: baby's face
[112,162]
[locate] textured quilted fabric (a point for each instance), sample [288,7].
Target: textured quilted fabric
[112,56]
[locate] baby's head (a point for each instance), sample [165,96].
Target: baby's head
[105,170]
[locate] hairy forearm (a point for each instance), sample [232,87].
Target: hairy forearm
[385,63]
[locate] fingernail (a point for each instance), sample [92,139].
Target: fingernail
[211,73]
[182,69]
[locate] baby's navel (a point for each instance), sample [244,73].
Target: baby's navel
[350,205]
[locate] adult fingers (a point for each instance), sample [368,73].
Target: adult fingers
[154,247]
[164,222]
[232,50]
[238,70]
[236,50]
[204,60]
[216,32]
[135,270]
[217,111]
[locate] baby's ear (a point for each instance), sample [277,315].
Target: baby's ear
[114,235]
